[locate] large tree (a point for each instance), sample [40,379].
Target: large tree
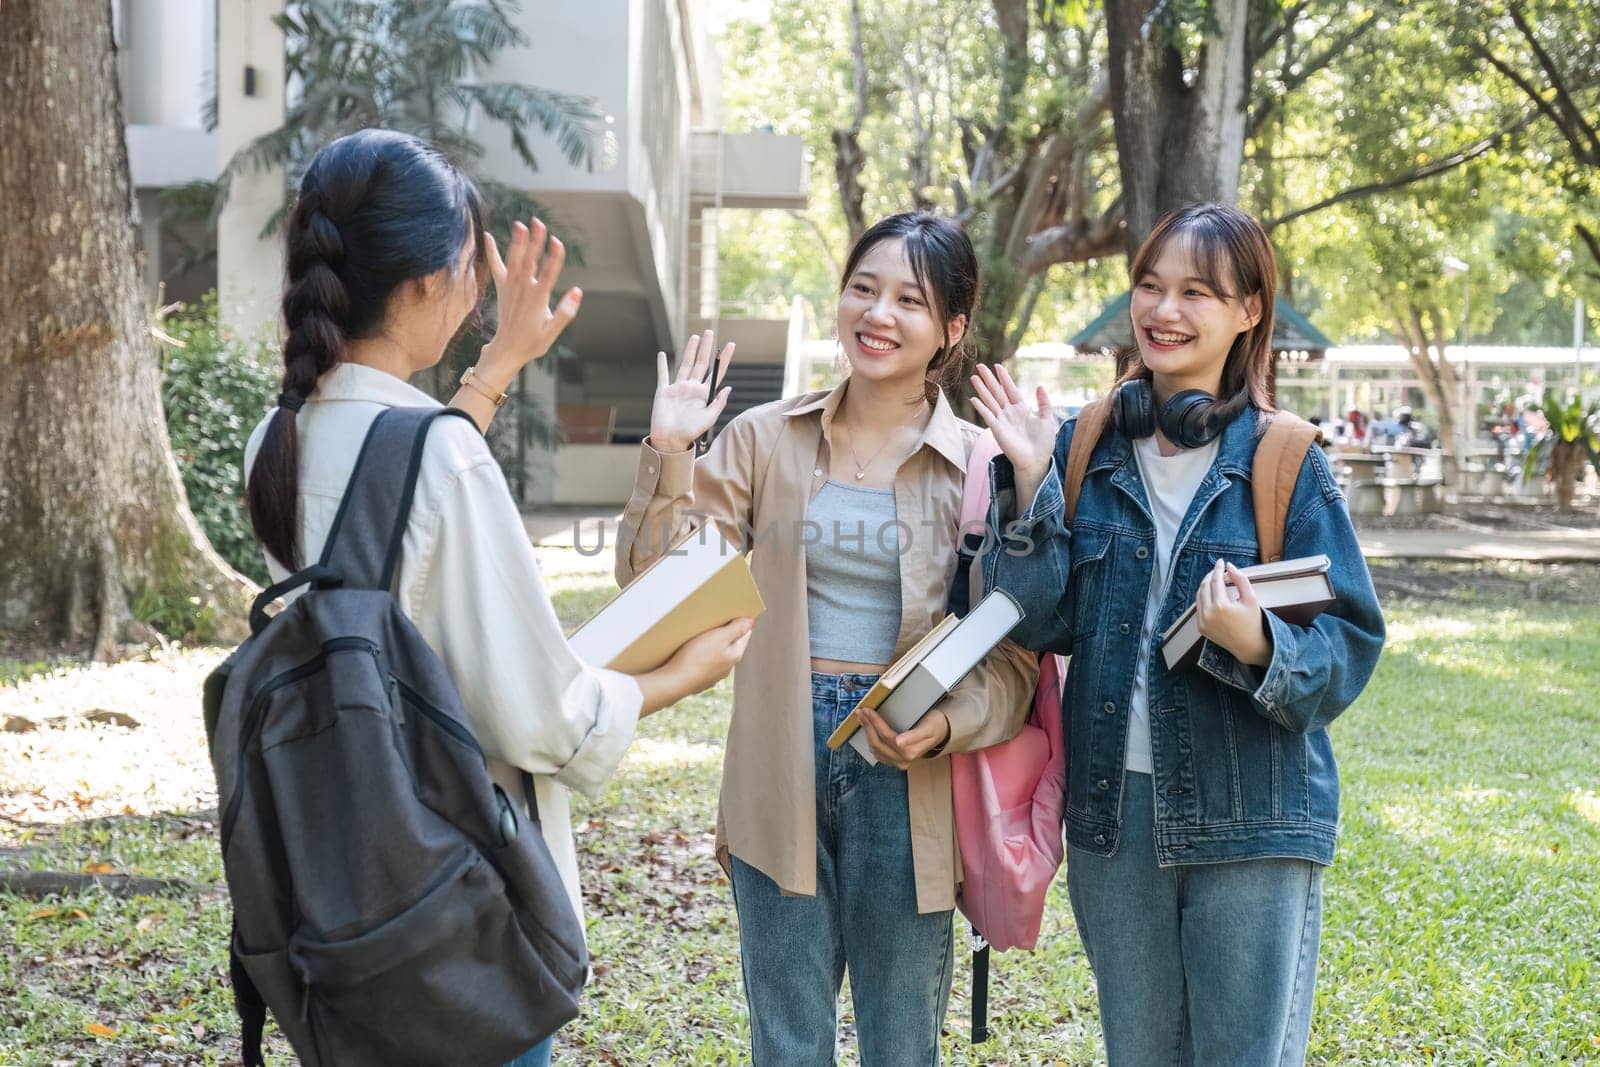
[92,513]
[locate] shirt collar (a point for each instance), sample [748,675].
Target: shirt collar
[942,434]
[356,381]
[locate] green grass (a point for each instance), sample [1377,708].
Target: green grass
[1461,923]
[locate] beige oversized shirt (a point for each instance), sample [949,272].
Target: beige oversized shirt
[762,472]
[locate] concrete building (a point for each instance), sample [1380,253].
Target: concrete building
[645,217]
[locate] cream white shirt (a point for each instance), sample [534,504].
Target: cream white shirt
[470,583]
[1170,483]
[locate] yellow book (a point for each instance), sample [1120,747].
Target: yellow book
[701,583]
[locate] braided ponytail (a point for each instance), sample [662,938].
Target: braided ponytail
[376,208]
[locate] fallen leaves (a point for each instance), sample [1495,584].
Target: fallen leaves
[101,1030]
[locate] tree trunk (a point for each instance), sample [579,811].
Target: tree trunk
[1178,140]
[848,159]
[91,508]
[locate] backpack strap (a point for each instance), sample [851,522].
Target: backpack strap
[1279,456]
[363,544]
[1092,419]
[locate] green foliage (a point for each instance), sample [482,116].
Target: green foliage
[186,618]
[214,388]
[1573,437]
[1377,100]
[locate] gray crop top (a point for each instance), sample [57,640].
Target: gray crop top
[853,574]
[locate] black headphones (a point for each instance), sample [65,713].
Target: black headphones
[1189,419]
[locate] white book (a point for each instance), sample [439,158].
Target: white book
[1295,590]
[931,668]
[699,584]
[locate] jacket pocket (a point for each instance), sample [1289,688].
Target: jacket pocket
[451,979]
[1092,562]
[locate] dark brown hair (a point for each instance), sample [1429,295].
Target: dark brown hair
[946,267]
[376,209]
[1232,255]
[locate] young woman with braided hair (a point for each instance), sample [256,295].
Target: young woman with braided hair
[385,251]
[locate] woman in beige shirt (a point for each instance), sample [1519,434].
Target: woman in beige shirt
[851,499]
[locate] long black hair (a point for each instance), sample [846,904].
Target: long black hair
[376,209]
[945,265]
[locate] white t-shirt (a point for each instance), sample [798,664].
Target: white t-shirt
[1170,483]
[469,581]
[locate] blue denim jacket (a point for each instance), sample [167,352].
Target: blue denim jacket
[1243,766]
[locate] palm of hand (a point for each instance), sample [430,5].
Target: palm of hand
[680,411]
[1025,432]
[685,407]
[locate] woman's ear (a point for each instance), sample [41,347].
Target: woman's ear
[955,331]
[1252,310]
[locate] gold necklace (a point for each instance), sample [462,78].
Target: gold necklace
[850,445]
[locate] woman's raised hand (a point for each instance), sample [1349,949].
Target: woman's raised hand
[1025,432]
[685,407]
[523,282]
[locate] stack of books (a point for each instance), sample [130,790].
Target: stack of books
[1295,590]
[932,667]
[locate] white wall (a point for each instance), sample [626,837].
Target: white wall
[249,267]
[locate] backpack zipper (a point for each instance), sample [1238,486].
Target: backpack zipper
[439,718]
[252,717]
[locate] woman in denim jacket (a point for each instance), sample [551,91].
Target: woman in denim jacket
[1202,805]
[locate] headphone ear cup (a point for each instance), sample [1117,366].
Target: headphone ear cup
[1132,408]
[1188,418]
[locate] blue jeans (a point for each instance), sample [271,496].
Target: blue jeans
[1210,964]
[537,1056]
[795,950]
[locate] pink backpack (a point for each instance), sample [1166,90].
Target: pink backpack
[1008,798]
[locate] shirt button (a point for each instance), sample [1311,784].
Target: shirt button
[649,470]
[1099,839]
[817,473]
[1110,708]
[1123,627]
[1141,552]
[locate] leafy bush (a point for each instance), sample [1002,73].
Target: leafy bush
[215,388]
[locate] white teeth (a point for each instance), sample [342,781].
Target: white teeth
[875,345]
[1169,338]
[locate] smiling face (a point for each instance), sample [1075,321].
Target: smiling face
[887,323]
[1185,320]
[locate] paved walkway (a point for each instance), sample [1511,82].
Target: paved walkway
[583,529]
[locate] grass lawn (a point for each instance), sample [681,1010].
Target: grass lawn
[1461,922]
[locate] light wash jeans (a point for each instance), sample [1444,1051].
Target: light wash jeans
[795,950]
[1208,964]
[537,1056]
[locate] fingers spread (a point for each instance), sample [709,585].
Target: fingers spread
[661,370]
[1044,402]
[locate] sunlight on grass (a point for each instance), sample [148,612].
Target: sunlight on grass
[1586,804]
[655,752]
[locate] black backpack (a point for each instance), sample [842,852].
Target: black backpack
[389,904]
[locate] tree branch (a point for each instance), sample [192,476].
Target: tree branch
[1587,236]
[1558,83]
[1441,166]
